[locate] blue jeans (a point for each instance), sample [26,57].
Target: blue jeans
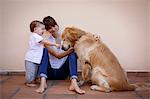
[68,68]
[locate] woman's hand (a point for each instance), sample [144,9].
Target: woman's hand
[70,50]
[97,37]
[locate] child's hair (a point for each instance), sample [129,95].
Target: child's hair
[35,24]
[49,22]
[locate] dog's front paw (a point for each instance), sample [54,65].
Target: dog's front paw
[94,87]
[85,78]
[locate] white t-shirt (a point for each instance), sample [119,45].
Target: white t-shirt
[55,62]
[35,49]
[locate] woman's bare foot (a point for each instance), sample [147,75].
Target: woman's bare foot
[30,84]
[74,87]
[43,86]
[41,89]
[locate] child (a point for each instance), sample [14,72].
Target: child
[35,51]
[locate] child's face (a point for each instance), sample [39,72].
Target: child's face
[40,29]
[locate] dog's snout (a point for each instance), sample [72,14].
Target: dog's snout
[65,47]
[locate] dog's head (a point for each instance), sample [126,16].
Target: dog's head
[69,36]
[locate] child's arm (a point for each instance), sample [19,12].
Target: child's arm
[48,43]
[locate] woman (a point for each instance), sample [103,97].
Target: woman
[56,63]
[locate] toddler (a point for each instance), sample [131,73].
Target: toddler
[35,51]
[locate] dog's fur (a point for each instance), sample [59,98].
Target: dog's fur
[98,63]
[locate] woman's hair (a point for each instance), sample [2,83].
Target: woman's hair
[35,24]
[49,22]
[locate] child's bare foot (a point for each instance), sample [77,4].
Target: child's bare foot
[75,87]
[30,85]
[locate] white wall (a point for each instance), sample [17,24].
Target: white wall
[122,24]
[1,35]
[149,33]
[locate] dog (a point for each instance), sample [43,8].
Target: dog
[98,62]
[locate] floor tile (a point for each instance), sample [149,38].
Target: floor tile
[12,87]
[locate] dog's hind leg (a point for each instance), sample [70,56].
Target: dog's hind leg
[100,80]
[103,84]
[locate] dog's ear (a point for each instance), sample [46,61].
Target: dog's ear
[72,34]
[65,33]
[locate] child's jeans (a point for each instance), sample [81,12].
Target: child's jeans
[31,71]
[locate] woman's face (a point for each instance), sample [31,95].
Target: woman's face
[53,30]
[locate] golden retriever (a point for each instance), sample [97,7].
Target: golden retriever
[98,63]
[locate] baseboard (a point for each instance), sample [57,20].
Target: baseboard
[139,74]
[20,73]
[129,73]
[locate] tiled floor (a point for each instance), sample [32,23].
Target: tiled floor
[12,87]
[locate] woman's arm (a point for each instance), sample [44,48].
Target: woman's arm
[59,55]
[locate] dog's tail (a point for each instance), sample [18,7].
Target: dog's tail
[134,86]
[130,87]
[141,85]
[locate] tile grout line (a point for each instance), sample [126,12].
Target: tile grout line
[138,95]
[76,96]
[44,96]
[14,93]
[3,81]
[49,86]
